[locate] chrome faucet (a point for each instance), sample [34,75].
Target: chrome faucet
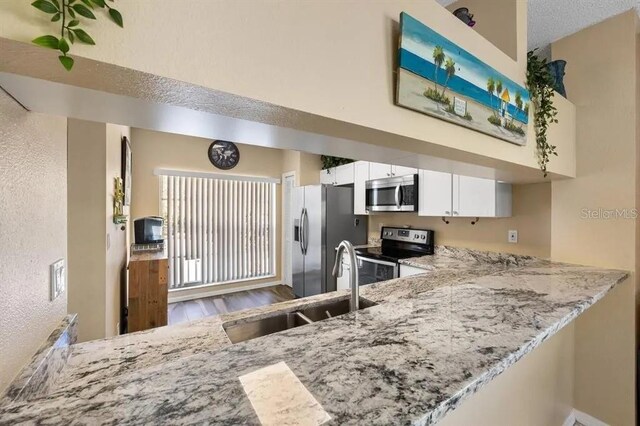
[353,276]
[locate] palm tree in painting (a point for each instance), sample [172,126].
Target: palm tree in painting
[450,68]
[518,102]
[438,59]
[526,108]
[498,88]
[491,86]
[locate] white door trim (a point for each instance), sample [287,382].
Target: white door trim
[582,418]
[286,247]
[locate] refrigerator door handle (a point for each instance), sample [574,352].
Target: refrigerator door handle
[305,231]
[398,196]
[301,239]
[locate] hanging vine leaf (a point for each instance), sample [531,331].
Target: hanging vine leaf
[47,41]
[63,46]
[83,36]
[116,17]
[66,62]
[83,11]
[61,11]
[540,85]
[45,6]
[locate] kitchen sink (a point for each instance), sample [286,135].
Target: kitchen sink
[332,309]
[240,332]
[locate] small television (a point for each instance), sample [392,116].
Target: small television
[148,230]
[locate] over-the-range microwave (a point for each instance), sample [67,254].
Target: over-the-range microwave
[394,194]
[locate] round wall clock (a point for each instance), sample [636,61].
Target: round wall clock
[224,155]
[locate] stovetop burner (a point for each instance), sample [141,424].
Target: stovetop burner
[400,243]
[388,254]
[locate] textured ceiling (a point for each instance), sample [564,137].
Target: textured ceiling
[551,20]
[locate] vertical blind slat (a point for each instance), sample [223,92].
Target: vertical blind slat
[225,224]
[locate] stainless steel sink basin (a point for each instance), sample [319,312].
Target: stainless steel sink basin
[240,332]
[332,309]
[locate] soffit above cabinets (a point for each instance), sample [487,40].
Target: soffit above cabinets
[106,93]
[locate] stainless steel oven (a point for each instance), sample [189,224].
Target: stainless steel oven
[396,194]
[374,270]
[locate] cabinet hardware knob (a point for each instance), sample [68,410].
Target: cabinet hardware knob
[455,212]
[447,212]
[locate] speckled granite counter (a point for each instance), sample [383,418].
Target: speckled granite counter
[432,340]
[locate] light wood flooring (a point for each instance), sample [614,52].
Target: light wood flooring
[209,306]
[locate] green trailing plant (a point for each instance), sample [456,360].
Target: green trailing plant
[329,162]
[70,15]
[540,85]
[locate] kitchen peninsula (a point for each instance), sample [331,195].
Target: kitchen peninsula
[431,341]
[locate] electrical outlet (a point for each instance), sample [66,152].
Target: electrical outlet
[513,236]
[58,279]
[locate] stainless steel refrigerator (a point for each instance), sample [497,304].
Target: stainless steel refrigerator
[323,218]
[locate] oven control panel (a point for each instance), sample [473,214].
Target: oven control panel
[407,235]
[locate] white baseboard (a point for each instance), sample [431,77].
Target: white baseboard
[215,290]
[583,418]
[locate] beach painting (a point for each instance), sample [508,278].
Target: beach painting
[438,78]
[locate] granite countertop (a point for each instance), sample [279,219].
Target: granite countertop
[432,340]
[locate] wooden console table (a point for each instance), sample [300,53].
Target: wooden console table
[148,292]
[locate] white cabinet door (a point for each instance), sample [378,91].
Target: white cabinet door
[379,171]
[327,176]
[407,271]
[435,193]
[342,282]
[403,171]
[474,197]
[344,174]
[360,178]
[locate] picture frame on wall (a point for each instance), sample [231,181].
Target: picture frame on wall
[436,77]
[126,169]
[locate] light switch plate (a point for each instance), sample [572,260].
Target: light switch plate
[513,236]
[58,279]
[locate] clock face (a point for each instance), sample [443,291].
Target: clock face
[224,155]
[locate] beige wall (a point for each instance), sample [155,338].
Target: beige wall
[33,230]
[496,20]
[531,218]
[306,166]
[602,57]
[97,247]
[165,150]
[317,73]
[117,252]
[537,390]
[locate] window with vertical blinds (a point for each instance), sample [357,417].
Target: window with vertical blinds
[218,229]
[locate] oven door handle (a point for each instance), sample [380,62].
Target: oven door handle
[380,262]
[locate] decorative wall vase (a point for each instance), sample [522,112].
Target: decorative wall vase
[556,69]
[438,78]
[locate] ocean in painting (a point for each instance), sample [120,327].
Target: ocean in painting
[438,78]
[417,65]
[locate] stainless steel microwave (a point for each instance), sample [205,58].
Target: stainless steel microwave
[395,194]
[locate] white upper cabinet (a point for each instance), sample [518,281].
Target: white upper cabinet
[360,178]
[379,171]
[403,171]
[435,192]
[475,197]
[444,194]
[341,175]
[344,174]
[327,176]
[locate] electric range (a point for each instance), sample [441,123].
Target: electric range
[377,264]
